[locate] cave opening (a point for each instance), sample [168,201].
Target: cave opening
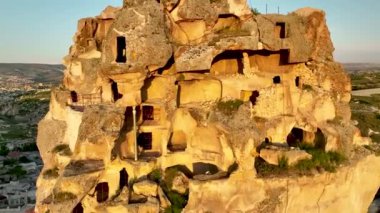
[102,192]
[254,96]
[295,137]
[115,91]
[74,96]
[121,44]
[123,178]
[297,81]
[144,140]
[277,80]
[228,62]
[320,139]
[148,113]
[201,168]
[78,208]
[280,30]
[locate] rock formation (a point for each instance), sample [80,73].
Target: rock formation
[207,86]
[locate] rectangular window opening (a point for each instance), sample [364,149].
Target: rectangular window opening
[121,46]
[281,29]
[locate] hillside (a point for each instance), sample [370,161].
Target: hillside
[38,73]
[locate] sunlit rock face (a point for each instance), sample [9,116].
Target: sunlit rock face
[181,96]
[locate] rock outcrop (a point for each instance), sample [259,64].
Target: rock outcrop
[205,88]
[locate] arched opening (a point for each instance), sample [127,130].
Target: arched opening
[123,178]
[204,169]
[277,80]
[177,141]
[115,91]
[320,140]
[228,62]
[74,96]
[295,137]
[254,96]
[121,53]
[78,208]
[144,140]
[280,30]
[102,192]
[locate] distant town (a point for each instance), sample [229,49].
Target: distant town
[23,102]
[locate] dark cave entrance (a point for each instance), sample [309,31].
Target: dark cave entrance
[148,113]
[204,168]
[280,30]
[123,178]
[74,96]
[297,81]
[320,140]
[277,80]
[78,208]
[254,96]
[144,140]
[115,91]
[121,45]
[295,137]
[102,192]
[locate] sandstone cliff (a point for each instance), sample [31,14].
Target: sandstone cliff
[171,104]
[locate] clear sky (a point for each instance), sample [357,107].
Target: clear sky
[41,31]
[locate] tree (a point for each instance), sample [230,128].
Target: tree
[4,150]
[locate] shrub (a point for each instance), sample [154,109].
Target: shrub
[17,171]
[4,150]
[64,196]
[283,162]
[155,175]
[24,159]
[63,149]
[255,11]
[307,87]
[230,106]
[51,173]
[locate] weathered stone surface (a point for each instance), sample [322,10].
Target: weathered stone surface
[320,193]
[180,183]
[273,156]
[203,86]
[146,188]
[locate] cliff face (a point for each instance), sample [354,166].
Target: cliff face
[352,188]
[163,102]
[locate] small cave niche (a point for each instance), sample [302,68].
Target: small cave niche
[270,61]
[145,140]
[102,192]
[169,66]
[121,46]
[123,178]
[177,141]
[320,139]
[78,208]
[74,96]
[148,113]
[277,80]
[228,62]
[115,91]
[375,205]
[295,137]
[280,30]
[297,81]
[254,96]
[201,168]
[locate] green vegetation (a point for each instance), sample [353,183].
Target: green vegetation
[230,106]
[64,196]
[10,162]
[51,173]
[63,149]
[165,181]
[363,111]
[29,147]
[327,161]
[3,150]
[321,161]
[17,171]
[24,159]
[365,80]
[255,11]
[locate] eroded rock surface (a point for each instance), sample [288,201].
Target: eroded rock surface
[200,88]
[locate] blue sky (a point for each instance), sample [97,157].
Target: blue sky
[41,31]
